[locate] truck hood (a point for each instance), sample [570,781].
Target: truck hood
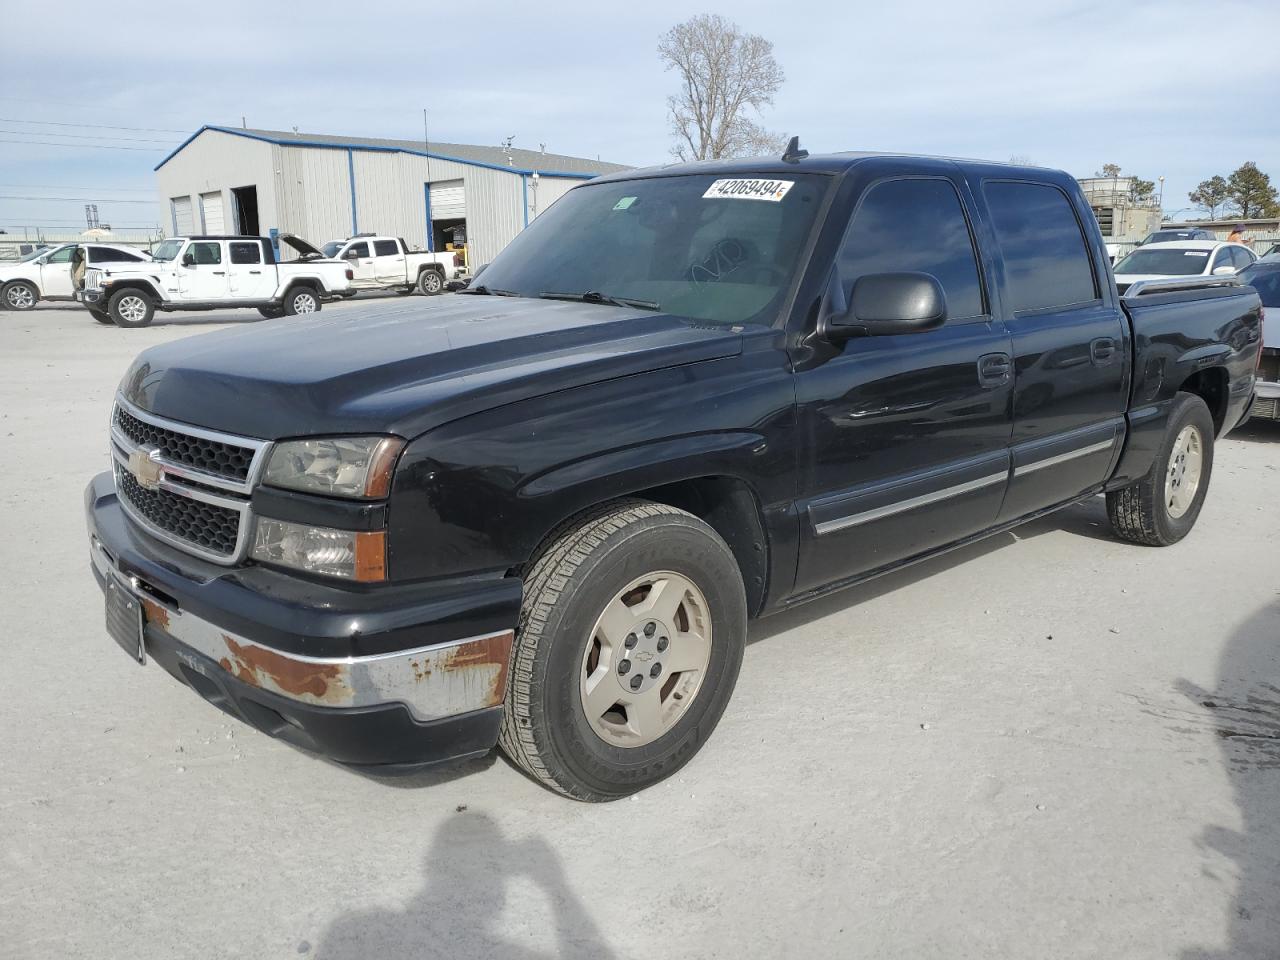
[407,368]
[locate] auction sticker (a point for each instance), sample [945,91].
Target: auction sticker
[771,190]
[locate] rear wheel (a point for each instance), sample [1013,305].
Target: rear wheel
[1162,507]
[430,283]
[20,295]
[101,316]
[131,308]
[631,636]
[301,300]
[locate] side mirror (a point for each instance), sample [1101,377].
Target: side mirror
[351,255]
[1223,271]
[188,259]
[885,304]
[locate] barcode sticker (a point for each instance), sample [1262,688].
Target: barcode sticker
[770,190]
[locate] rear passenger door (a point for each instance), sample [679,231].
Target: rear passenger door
[1070,346]
[905,437]
[388,262]
[249,278]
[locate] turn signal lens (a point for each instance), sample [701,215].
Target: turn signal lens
[350,554]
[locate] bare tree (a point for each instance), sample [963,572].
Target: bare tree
[724,74]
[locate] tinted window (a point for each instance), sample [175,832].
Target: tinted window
[1242,257]
[1222,259]
[915,225]
[1046,262]
[1164,261]
[358,250]
[1266,280]
[61,255]
[245,252]
[206,253]
[385,248]
[108,255]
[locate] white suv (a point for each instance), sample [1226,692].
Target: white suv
[47,274]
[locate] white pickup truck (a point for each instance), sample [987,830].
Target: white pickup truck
[47,274]
[214,273]
[387,263]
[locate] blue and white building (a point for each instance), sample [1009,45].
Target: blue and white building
[236,180]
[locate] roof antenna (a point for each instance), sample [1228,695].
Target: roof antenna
[793,153]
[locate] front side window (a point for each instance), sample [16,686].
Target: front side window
[245,252]
[61,255]
[1046,261]
[206,254]
[385,248]
[1241,257]
[715,249]
[915,225]
[358,250]
[1222,259]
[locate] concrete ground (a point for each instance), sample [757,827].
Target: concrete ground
[1049,745]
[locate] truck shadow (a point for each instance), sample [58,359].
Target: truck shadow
[1259,431]
[1243,711]
[462,911]
[1085,519]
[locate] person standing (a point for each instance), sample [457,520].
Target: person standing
[1237,235]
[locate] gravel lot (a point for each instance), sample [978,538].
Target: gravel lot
[1049,745]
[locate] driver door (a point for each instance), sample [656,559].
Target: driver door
[363,267]
[202,272]
[905,438]
[55,274]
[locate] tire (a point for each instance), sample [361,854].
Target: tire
[430,283]
[564,651]
[271,313]
[131,308]
[301,300]
[101,317]
[20,295]
[405,291]
[1162,507]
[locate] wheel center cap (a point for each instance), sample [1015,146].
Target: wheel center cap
[640,663]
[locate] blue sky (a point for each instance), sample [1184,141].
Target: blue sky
[1068,84]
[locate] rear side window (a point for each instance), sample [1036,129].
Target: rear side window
[385,248]
[107,255]
[915,225]
[1046,261]
[206,253]
[245,252]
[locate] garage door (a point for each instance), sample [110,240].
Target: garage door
[211,213]
[183,223]
[448,200]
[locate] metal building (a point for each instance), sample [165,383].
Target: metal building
[233,180]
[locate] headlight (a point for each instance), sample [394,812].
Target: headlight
[336,466]
[354,555]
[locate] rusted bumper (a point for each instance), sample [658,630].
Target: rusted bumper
[359,695]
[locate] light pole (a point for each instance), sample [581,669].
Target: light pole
[1161,196]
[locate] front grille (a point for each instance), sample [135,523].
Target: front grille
[205,525]
[211,456]
[1266,408]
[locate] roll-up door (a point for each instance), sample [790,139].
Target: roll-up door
[448,200]
[183,222]
[211,213]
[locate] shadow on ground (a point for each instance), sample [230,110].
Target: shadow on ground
[1244,712]
[465,909]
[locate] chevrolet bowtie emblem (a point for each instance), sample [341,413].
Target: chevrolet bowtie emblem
[145,467]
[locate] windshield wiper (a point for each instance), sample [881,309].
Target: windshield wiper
[595,296]
[482,291]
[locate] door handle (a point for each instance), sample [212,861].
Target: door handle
[994,369]
[219,273]
[1102,350]
[255,271]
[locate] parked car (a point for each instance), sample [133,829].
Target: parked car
[47,274]
[386,263]
[1182,258]
[1164,236]
[540,513]
[1264,276]
[213,273]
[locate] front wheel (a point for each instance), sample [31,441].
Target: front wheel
[430,283]
[301,300]
[20,295]
[631,635]
[1162,507]
[131,308]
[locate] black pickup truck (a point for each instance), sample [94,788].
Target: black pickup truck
[540,514]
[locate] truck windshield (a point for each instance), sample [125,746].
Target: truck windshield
[34,253]
[167,250]
[716,249]
[331,248]
[1169,263]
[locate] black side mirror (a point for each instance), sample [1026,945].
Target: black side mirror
[884,304]
[188,259]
